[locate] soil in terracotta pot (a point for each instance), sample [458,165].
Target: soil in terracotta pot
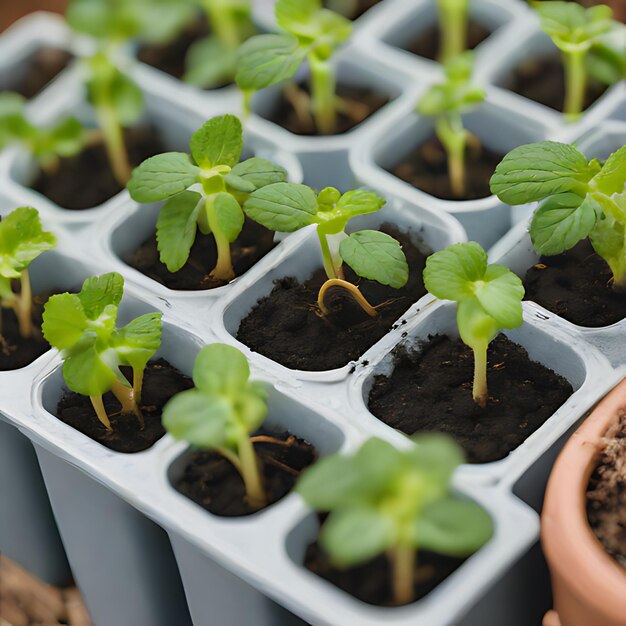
[214,483]
[253,243]
[426,43]
[86,180]
[360,102]
[345,7]
[606,495]
[430,389]
[15,351]
[578,286]
[161,382]
[426,168]
[371,582]
[41,67]
[286,326]
[543,80]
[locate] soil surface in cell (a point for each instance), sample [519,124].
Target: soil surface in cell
[430,389]
[578,286]
[371,582]
[253,243]
[86,180]
[42,66]
[426,168]
[161,382]
[213,482]
[426,43]
[15,350]
[606,495]
[286,325]
[543,80]
[359,104]
[350,8]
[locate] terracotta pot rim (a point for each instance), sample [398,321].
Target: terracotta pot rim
[569,543]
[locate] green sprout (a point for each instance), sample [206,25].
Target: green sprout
[489,299]
[574,29]
[22,240]
[221,413]
[204,190]
[117,100]
[213,59]
[287,207]
[313,34]
[83,327]
[47,144]
[606,63]
[581,199]
[453,26]
[447,102]
[384,500]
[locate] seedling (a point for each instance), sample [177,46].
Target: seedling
[447,102]
[213,59]
[453,26]
[47,144]
[83,327]
[384,500]
[581,199]
[22,240]
[574,29]
[221,413]
[287,207]
[204,190]
[313,34]
[489,299]
[116,98]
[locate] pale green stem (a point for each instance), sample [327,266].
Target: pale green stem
[24,306]
[479,391]
[223,269]
[323,91]
[575,83]
[137,383]
[98,407]
[331,267]
[126,398]
[222,22]
[114,141]
[453,17]
[403,559]
[250,473]
[453,137]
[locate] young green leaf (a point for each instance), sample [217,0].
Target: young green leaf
[384,500]
[222,411]
[218,142]
[489,300]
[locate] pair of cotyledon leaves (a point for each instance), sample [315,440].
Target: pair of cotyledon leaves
[84,327]
[381,497]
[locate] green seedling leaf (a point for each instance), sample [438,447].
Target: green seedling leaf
[218,142]
[385,500]
[258,173]
[162,176]
[376,256]
[137,342]
[126,99]
[100,292]
[229,215]
[210,62]
[612,177]
[489,300]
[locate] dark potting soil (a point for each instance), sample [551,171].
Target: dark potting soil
[361,103]
[286,326]
[578,286]
[371,582]
[543,80]
[86,180]
[361,6]
[15,351]
[431,390]
[606,495]
[161,382]
[426,168]
[426,43]
[253,243]
[42,66]
[213,482]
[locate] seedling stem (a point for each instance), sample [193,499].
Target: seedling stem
[403,573]
[453,27]
[479,391]
[353,290]
[250,472]
[454,137]
[323,87]
[24,306]
[223,270]
[98,407]
[576,82]
[126,398]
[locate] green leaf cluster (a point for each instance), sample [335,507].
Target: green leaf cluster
[382,498]
[22,240]
[63,139]
[83,327]
[203,190]
[579,198]
[287,207]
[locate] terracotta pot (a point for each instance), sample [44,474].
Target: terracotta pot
[589,586]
